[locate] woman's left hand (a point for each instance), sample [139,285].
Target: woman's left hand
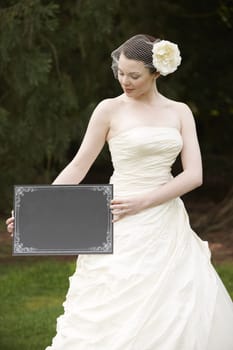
[126,206]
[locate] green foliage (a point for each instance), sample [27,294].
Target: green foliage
[38,100]
[225,12]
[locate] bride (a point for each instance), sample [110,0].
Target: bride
[158,290]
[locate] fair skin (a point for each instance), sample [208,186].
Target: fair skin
[140,104]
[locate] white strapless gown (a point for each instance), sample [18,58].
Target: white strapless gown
[158,290]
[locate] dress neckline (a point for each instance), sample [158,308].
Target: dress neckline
[143,127]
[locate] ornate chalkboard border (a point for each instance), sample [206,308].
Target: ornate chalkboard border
[21,194]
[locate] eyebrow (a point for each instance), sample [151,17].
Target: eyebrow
[129,72]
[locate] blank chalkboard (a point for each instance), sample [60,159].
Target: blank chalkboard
[63,219]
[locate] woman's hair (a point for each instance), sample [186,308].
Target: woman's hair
[138,48]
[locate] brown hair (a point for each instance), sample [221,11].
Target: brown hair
[138,48]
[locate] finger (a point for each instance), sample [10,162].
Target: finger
[9,220]
[118,200]
[120,206]
[118,211]
[115,206]
[116,218]
[10,228]
[121,210]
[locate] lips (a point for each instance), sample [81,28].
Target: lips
[128,90]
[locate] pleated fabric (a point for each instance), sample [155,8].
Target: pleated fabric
[159,289]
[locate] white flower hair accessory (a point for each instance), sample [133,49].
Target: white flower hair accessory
[166,57]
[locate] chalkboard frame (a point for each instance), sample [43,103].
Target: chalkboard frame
[39,206]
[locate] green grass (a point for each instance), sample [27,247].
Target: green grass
[225,271]
[31,300]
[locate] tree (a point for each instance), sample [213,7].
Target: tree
[44,86]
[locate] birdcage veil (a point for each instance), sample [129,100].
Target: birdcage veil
[158,55]
[139,48]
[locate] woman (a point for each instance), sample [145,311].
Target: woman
[158,290]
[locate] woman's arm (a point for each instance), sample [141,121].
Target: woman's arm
[90,148]
[187,180]
[191,176]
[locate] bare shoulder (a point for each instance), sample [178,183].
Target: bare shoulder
[180,107]
[107,104]
[183,112]
[106,107]
[184,109]
[187,121]
[187,118]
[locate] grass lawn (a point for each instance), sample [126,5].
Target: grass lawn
[31,299]
[225,271]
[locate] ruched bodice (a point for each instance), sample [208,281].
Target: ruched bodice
[142,157]
[158,290]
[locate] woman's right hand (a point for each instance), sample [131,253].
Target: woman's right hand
[10,224]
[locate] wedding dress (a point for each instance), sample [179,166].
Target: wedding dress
[158,290]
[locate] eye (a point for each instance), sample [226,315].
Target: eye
[135,77]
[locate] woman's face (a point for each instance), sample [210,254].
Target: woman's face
[135,79]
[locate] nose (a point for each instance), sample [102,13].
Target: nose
[125,81]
